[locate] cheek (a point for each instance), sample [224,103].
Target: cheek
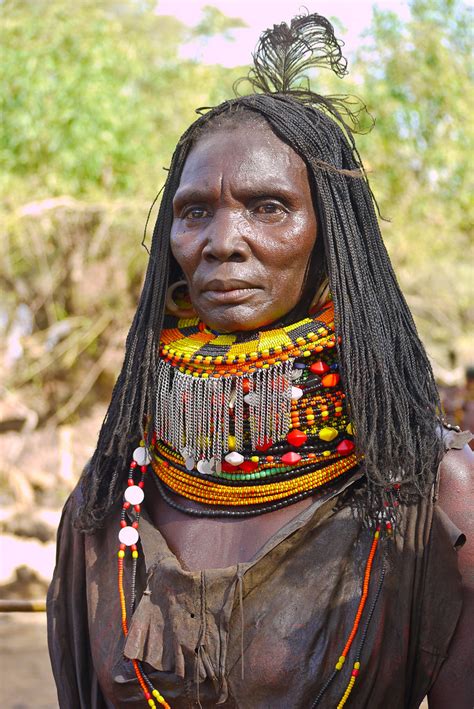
[289,255]
[184,249]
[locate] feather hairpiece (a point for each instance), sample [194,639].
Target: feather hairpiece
[285,52]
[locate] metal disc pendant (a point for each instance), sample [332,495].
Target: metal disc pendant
[204,467]
[189,462]
[296,393]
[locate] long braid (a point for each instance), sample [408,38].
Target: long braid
[388,380]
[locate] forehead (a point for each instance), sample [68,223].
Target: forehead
[249,153]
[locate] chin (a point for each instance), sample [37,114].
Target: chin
[239,319]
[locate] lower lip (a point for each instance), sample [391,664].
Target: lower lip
[230,296]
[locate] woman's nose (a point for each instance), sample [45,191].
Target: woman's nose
[225,238]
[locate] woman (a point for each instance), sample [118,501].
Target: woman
[281,537]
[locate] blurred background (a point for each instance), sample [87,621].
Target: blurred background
[94,96]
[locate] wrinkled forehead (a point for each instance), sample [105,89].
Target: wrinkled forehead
[244,152]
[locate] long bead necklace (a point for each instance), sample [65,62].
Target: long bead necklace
[129,540]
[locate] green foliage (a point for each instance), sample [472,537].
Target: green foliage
[96,93]
[95,98]
[416,80]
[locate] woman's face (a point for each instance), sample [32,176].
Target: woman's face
[244,227]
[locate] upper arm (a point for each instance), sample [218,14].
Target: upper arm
[454,685]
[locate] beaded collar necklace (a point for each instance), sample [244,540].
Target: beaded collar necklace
[248,424]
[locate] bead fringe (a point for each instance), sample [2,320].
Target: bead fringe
[195,415]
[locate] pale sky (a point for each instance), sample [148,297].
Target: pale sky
[354,15]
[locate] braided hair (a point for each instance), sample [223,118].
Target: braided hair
[388,380]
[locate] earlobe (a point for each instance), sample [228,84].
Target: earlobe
[321,297]
[179,309]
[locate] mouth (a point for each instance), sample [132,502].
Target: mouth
[229,292]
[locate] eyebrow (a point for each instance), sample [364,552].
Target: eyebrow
[197,194]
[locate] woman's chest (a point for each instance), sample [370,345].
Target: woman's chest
[216,542]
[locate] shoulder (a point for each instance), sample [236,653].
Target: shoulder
[456,499]
[456,490]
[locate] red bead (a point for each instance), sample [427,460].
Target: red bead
[264,446]
[388,525]
[144,468]
[319,368]
[227,467]
[296,438]
[345,447]
[248,466]
[290,458]
[135,525]
[134,547]
[123,523]
[137,508]
[141,484]
[133,464]
[330,380]
[123,547]
[355,673]
[130,482]
[245,386]
[126,505]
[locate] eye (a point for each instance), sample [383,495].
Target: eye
[194,213]
[269,208]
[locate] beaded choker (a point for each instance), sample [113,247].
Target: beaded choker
[249,424]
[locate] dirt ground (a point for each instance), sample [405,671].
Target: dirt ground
[26,679]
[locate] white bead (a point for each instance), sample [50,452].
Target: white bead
[141,456]
[204,467]
[134,495]
[128,536]
[189,463]
[251,399]
[234,458]
[296,393]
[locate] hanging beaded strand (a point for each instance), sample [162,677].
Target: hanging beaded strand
[387,523]
[128,538]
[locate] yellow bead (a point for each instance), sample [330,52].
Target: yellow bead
[350,429]
[338,409]
[377,535]
[135,554]
[151,703]
[326,453]
[357,665]
[338,665]
[231,442]
[328,433]
[255,459]
[342,659]
[306,353]
[121,554]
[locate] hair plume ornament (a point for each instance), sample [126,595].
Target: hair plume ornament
[284,53]
[283,59]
